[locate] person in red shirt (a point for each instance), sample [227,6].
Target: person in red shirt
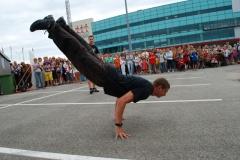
[181,64]
[152,62]
[144,65]
[186,57]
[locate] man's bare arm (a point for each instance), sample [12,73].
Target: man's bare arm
[119,110]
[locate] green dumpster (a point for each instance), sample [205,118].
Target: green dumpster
[7,84]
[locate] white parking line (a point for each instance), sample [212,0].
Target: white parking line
[183,101]
[81,90]
[36,91]
[49,155]
[111,103]
[191,85]
[3,106]
[10,105]
[188,78]
[87,90]
[177,78]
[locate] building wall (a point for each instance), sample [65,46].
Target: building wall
[178,23]
[236,5]
[237,32]
[83,28]
[236,8]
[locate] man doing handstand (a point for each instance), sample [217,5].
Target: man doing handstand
[126,88]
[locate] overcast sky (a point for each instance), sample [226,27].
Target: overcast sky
[17,15]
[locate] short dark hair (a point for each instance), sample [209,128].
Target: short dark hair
[90,36]
[161,82]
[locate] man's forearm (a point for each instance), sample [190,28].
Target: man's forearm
[119,109]
[120,106]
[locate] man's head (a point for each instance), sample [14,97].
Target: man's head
[91,40]
[35,60]
[160,87]
[45,58]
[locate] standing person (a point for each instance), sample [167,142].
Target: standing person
[137,63]
[40,62]
[175,58]
[238,51]
[144,65]
[117,64]
[169,57]
[186,57]
[162,62]
[67,72]
[37,74]
[130,63]
[123,64]
[47,66]
[194,59]
[58,71]
[152,62]
[54,71]
[126,88]
[91,85]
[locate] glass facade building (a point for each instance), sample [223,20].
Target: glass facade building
[191,21]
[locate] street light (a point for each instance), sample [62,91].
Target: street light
[128,28]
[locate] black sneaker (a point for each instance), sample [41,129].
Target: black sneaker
[95,90]
[91,91]
[61,21]
[43,24]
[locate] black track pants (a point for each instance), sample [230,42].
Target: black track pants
[78,53]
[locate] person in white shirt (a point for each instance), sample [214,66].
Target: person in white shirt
[123,64]
[169,57]
[37,73]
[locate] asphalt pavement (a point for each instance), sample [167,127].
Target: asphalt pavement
[197,120]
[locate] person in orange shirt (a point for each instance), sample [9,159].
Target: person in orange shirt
[152,62]
[117,63]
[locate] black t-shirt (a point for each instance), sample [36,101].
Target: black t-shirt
[95,49]
[117,85]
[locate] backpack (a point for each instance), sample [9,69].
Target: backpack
[194,56]
[238,48]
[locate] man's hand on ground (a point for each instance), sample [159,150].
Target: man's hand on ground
[120,133]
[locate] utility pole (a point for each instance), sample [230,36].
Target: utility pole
[128,28]
[68,12]
[11,52]
[23,54]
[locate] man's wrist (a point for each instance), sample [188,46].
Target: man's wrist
[118,124]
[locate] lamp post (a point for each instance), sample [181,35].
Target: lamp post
[23,54]
[128,28]
[10,52]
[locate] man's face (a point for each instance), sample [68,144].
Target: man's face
[91,40]
[160,92]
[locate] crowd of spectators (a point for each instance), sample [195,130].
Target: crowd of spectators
[22,75]
[51,71]
[180,58]
[47,71]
